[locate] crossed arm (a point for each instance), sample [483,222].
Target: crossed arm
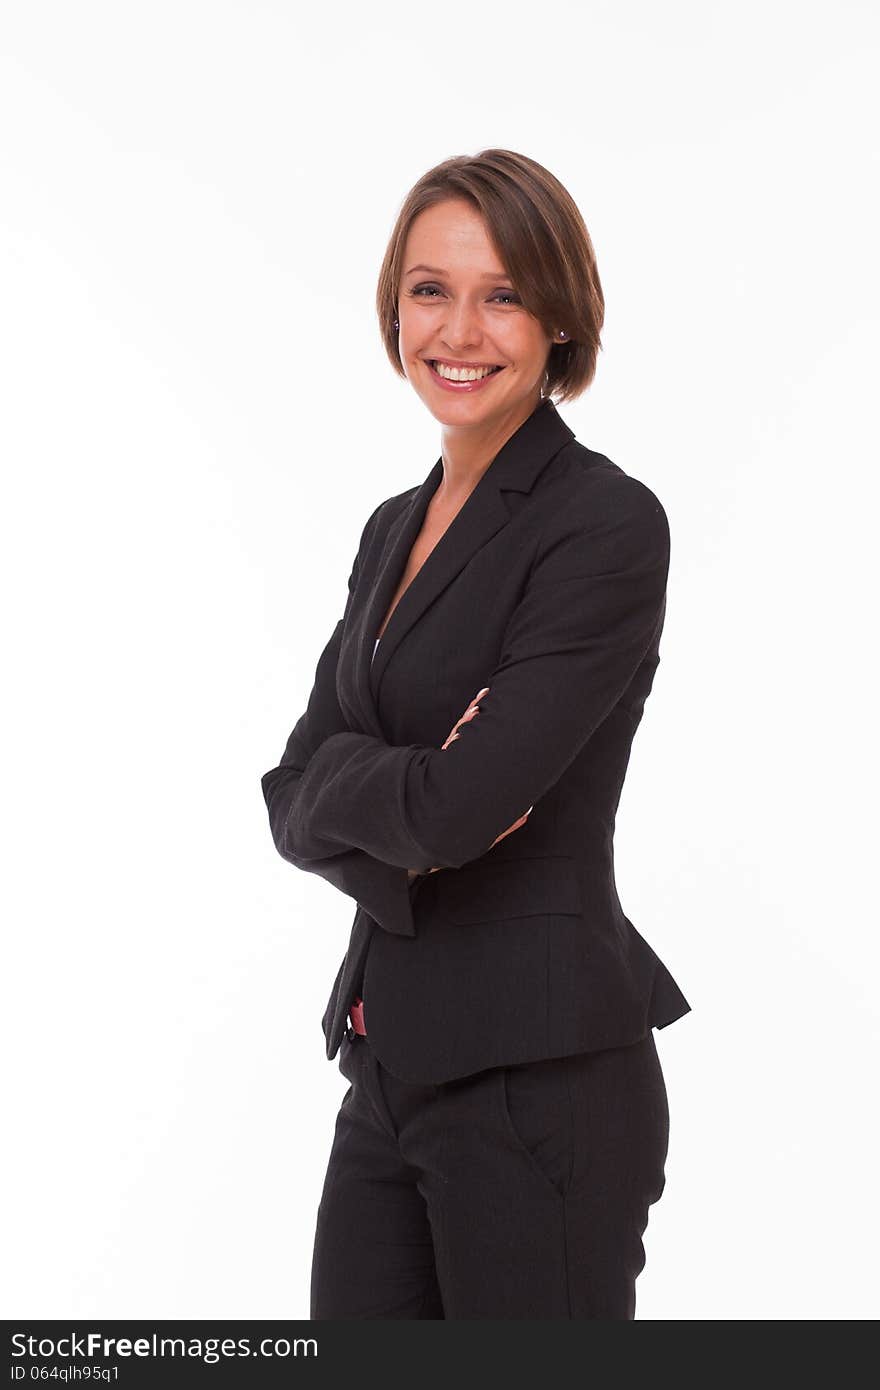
[359,811]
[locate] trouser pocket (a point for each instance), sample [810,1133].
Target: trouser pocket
[536,1102]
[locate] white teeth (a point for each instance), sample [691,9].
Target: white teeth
[461,373]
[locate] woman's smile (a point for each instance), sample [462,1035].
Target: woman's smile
[462,377]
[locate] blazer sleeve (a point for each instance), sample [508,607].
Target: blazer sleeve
[594,604]
[380,887]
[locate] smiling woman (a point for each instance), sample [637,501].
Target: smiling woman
[457,772]
[517,276]
[467,310]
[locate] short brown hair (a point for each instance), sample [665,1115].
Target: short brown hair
[544,245]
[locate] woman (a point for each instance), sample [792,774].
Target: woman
[506,1125]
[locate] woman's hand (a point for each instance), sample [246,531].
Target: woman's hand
[472,710]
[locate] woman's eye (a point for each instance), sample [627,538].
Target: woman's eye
[429,291]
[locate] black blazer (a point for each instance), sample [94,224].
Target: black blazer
[549,586]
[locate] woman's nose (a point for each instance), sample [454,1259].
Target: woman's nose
[462,327]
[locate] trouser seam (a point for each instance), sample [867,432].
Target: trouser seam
[565,1255]
[566,1065]
[571,1152]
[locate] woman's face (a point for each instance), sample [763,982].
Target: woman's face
[463,310]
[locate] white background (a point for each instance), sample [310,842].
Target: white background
[197,419]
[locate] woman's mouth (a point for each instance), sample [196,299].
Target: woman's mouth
[461,379]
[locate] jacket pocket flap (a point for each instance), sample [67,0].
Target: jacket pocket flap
[507,888]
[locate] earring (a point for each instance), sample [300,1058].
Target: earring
[396,325]
[562,333]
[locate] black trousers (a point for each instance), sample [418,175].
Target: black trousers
[519,1192]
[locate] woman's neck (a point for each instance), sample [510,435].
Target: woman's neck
[468,452]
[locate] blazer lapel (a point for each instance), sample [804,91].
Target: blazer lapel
[515,467]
